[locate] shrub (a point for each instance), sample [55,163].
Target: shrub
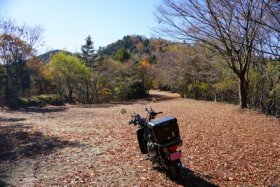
[51,99]
[41,100]
[131,90]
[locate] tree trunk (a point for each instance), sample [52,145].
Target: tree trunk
[2,100]
[11,90]
[70,95]
[243,88]
[87,92]
[215,96]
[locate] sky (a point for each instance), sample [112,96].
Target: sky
[67,23]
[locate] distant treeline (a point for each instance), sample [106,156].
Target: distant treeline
[125,70]
[85,77]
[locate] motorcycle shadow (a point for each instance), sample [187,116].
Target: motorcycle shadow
[188,178]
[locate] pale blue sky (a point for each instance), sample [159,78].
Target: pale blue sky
[66,23]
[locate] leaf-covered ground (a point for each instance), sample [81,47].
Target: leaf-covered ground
[94,146]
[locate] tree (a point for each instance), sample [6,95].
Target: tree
[68,73]
[88,57]
[103,80]
[273,12]
[144,73]
[88,52]
[187,70]
[17,45]
[121,55]
[2,80]
[39,76]
[226,27]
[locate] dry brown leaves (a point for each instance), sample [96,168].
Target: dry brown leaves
[94,146]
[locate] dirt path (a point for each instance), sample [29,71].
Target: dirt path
[94,145]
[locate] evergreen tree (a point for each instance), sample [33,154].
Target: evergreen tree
[88,52]
[121,55]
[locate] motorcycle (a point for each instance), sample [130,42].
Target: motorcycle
[160,140]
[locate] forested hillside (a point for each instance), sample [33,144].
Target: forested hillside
[197,72]
[127,69]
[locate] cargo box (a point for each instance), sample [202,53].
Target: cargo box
[165,129]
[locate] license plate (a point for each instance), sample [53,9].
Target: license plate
[175,156]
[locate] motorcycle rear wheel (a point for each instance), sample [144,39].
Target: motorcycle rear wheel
[173,171]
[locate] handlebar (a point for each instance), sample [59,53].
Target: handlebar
[152,113]
[131,122]
[138,120]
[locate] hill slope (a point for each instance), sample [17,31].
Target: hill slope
[46,57]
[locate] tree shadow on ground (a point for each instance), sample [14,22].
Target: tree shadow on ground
[16,142]
[45,109]
[158,97]
[144,101]
[11,119]
[112,104]
[189,178]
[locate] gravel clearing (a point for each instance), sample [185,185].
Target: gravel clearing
[93,145]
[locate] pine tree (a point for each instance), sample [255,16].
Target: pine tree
[88,52]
